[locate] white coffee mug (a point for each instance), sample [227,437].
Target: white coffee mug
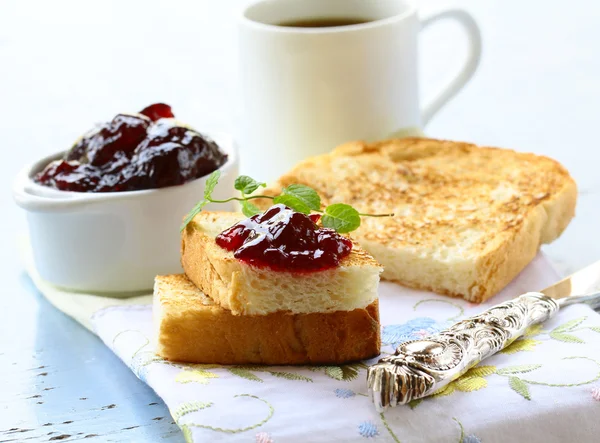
[306,90]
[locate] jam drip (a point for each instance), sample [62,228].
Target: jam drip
[133,152]
[284,240]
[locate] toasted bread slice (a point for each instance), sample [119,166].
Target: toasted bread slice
[190,327]
[251,290]
[468,219]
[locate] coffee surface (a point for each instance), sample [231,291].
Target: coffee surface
[323,22]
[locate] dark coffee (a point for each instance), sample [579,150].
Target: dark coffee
[323,22]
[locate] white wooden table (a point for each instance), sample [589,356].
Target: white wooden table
[65,64]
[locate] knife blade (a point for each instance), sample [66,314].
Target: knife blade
[419,368]
[585,282]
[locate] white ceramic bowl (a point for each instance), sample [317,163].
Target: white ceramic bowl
[112,241]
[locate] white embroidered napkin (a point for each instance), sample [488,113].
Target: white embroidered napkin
[544,388]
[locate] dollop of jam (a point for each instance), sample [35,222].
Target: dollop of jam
[133,152]
[285,240]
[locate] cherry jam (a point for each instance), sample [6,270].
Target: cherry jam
[285,240]
[133,152]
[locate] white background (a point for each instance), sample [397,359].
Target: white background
[67,64]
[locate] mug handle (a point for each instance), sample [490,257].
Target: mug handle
[470,66]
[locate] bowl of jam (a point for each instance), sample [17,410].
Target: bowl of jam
[104,215]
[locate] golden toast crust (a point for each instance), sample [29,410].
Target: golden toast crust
[250,290]
[474,213]
[191,328]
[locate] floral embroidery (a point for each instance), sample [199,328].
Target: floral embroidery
[415,329]
[187,434]
[465,438]
[142,356]
[473,380]
[263,437]
[344,372]
[368,429]
[198,376]
[561,333]
[344,393]
[247,373]
[389,429]
[460,313]
[596,393]
[190,407]
[522,344]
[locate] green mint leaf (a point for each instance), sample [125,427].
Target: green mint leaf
[211,182]
[307,195]
[247,185]
[249,209]
[194,212]
[292,202]
[341,217]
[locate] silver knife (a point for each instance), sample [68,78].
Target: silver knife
[419,368]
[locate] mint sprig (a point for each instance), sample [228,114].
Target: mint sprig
[211,183]
[341,217]
[301,198]
[247,185]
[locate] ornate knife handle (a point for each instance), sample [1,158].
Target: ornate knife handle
[421,367]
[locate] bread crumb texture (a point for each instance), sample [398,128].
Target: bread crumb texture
[468,218]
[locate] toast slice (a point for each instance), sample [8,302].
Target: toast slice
[190,327]
[468,219]
[249,290]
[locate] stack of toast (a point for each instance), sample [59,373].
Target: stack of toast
[225,311]
[467,220]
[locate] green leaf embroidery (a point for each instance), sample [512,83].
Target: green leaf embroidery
[460,312]
[481,371]
[389,429]
[211,183]
[520,387]
[196,376]
[194,212]
[414,403]
[595,328]
[201,365]
[187,434]
[290,376]
[344,372]
[523,344]
[341,217]
[567,338]
[247,185]
[534,330]
[334,372]
[305,194]
[249,209]
[518,369]
[462,430]
[292,202]
[143,359]
[196,406]
[244,373]
[446,390]
[188,408]
[570,325]
[470,384]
